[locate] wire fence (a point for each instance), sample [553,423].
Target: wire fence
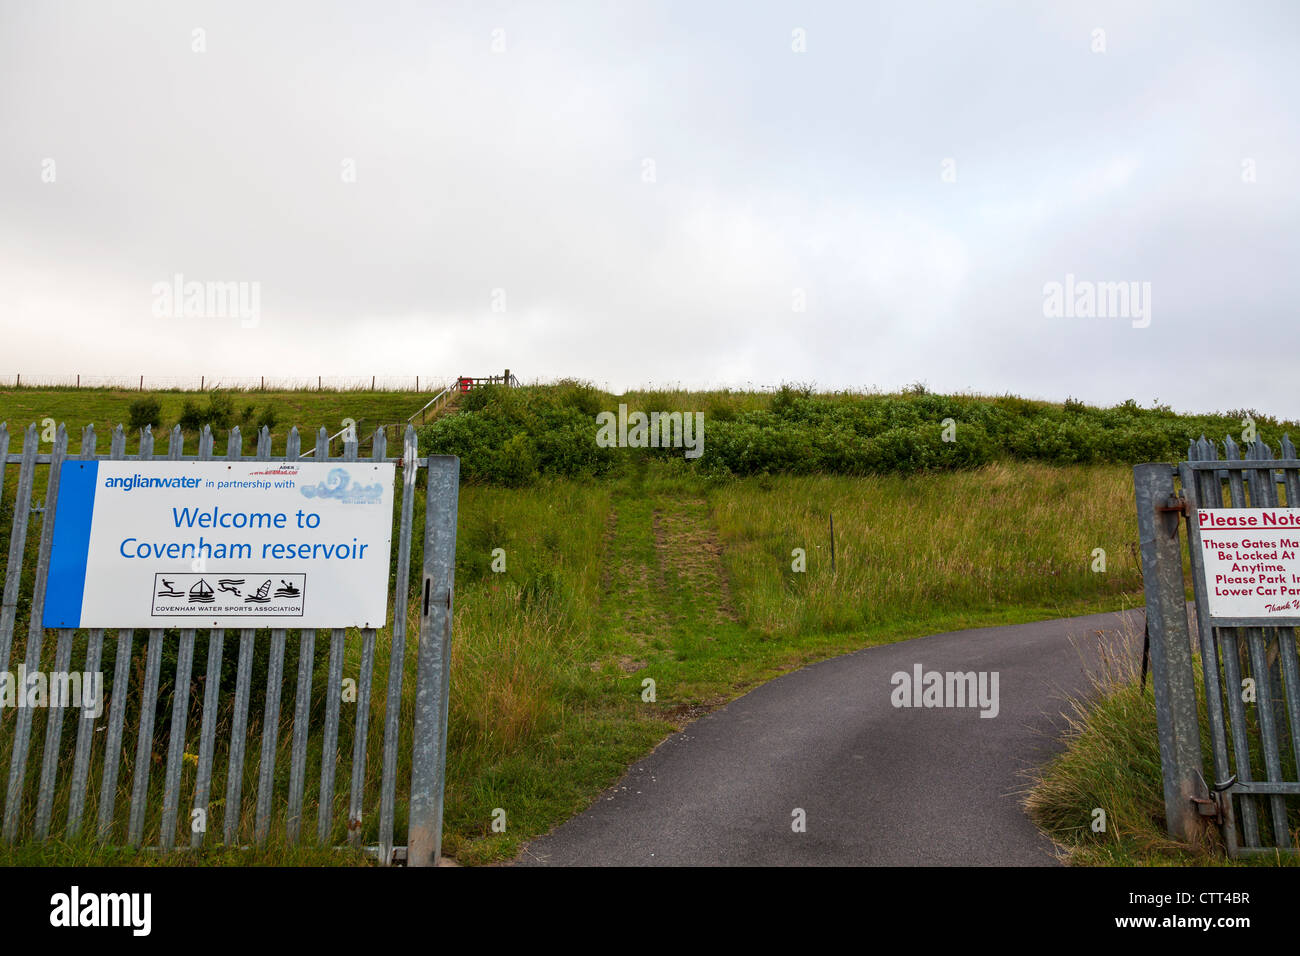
[247,383]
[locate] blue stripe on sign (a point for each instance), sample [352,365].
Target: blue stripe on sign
[67,581]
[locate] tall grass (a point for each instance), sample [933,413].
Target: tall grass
[925,546]
[1111,766]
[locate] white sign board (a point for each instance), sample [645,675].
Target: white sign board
[1251,558]
[146,544]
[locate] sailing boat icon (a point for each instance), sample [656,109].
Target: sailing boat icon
[201,592]
[260,595]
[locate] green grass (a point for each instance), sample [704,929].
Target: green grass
[659,572]
[107,408]
[1112,763]
[970,544]
[690,586]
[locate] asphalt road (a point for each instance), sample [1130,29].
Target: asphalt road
[879,785]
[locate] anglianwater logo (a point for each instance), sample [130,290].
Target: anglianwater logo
[131,482]
[75,908]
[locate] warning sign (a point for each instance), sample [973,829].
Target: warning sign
[1251,560]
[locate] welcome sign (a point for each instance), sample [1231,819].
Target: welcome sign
[221,544]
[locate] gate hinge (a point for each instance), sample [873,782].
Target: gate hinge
[1176,504]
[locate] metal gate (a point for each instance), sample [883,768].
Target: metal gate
[1250,671]
[413,741]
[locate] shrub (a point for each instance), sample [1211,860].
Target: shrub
[221,410]
[512,436]
[516,462]
[220,413]
[144,412]
[193,418]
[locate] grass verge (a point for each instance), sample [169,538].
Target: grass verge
[1109,774]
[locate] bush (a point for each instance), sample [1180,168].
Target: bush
[515,462]
[512,436]
[193,418]
[144,412]
[220,413]
[221,410]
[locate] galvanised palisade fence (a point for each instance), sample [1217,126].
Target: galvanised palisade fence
[413,737]
[1255,744]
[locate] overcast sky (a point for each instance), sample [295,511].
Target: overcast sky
[647,193]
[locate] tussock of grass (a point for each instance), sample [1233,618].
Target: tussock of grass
[1112,762]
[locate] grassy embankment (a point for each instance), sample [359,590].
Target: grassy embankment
[658,571]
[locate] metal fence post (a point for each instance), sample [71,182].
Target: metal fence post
[433,668]
[1172,675]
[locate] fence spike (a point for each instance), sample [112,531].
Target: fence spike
[35,637]
[17,541]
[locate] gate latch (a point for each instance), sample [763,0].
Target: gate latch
[1215,805]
